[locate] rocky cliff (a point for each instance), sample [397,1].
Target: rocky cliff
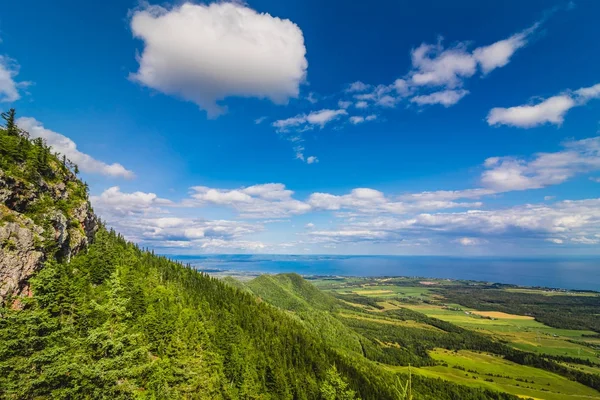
[44,210]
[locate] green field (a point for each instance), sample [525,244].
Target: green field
[472,369]
[524,334]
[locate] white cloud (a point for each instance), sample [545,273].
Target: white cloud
[357,86]
[260,120]
[271,200]
[114,203]
[437,76]
[592,92]
[370,201]
[575,221]
[585,240]
[312,160]
[357,119]
[595,179]
[149,220]
[435,66]
[323,117]
[509,173]
[9,88]
[315,118]
[499,54]
[446,98]
[67,147]
[310,225]
[205,53]
[551,110]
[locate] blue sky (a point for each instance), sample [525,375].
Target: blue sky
[338,127]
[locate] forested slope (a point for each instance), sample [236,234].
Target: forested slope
[101,318]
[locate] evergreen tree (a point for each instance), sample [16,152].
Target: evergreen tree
[335,387]
[11,126]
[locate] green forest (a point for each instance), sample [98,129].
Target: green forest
[117,321]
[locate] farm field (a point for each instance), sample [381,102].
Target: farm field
[521,331]
[493,372]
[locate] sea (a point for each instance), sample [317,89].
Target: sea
[571,273]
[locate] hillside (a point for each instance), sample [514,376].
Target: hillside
[86,314]
[115,321]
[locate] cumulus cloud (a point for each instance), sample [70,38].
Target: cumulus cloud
[551,110]
[112,202]
[65,146]
[271,200]
[435,66]
[149,220]
[9,88]
[206,53]
[510,173]
[446,98]
[312,160]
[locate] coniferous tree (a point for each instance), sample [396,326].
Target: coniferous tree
[11,126]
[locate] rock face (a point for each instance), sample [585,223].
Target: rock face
[40,221]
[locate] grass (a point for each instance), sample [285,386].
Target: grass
[493,372]
[522,333]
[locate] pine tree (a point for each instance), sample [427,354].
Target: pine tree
[335,387]
[11,126]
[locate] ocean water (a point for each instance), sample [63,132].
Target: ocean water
[582,273]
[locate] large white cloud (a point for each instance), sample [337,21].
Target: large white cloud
[65,146]
[205,53]
[551,110]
